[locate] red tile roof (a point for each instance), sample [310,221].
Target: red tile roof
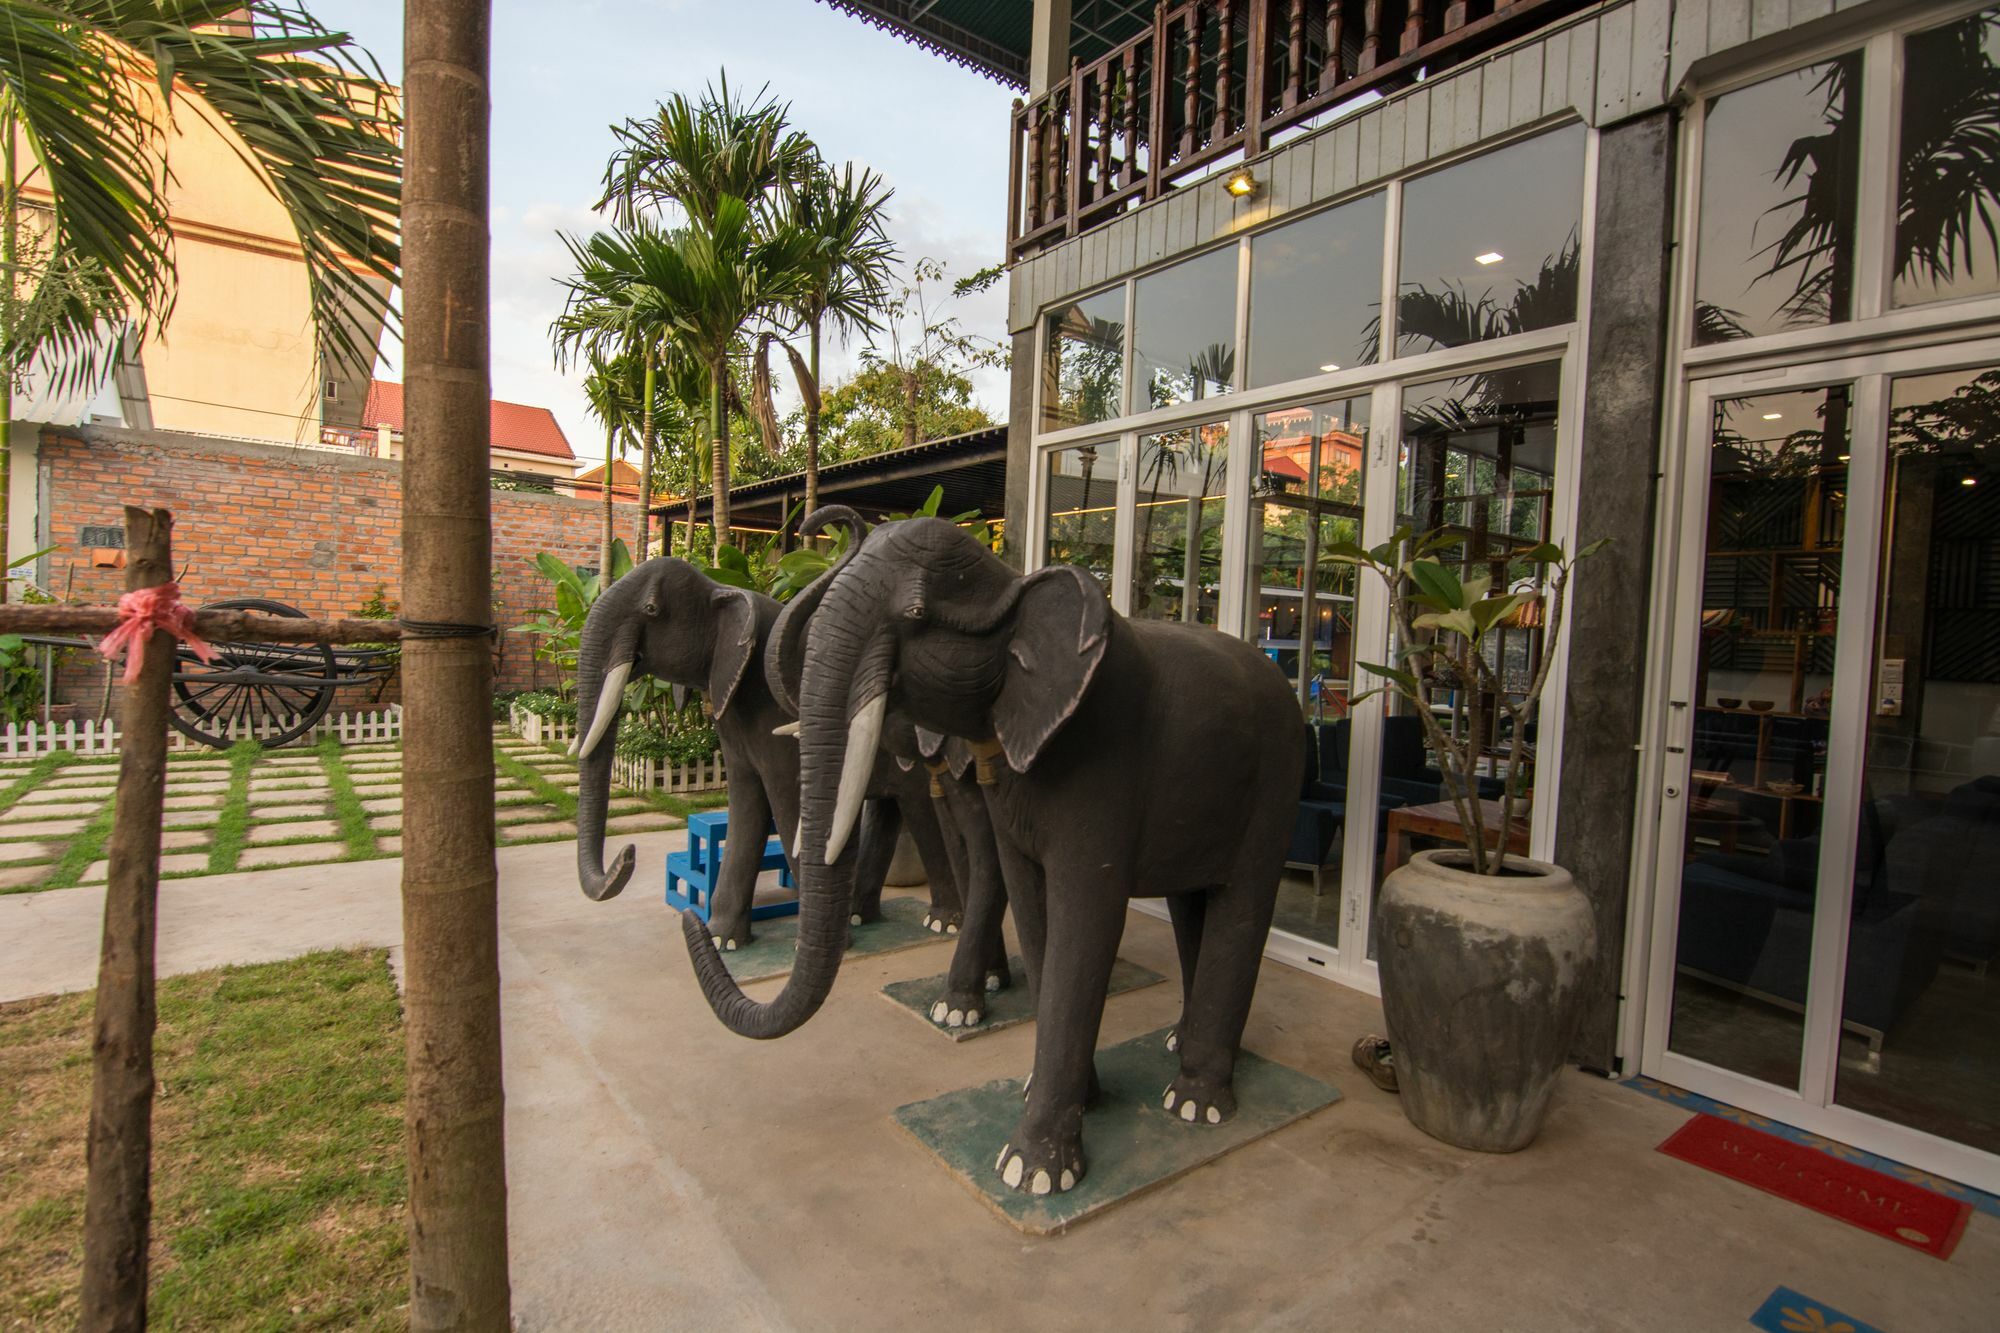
[530,430]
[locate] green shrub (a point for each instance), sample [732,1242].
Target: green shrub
[546,704]
[688,744]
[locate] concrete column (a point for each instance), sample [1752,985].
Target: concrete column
[1619,458]
[1020,448]
[1048,52]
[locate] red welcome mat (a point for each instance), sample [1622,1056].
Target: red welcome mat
[1908,1214]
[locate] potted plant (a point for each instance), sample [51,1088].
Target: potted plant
[1482,953]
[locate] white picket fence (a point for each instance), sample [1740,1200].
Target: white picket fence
[101,736]
[659,775]
[542,730]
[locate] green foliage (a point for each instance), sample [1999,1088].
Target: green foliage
[767,568]
[20,679]
[379,605]
[871,412]
[690,743]
[546,704]
[561,626]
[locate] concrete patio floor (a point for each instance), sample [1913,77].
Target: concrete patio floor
[664,1174]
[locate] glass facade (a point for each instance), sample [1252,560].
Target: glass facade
[1083,367]
[1081,486]
[1948,166]
[1177,525]
[1316,293]
[1185,347]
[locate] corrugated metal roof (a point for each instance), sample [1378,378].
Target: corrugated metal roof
[993,37]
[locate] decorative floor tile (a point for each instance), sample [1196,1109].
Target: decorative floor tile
[1788,1311]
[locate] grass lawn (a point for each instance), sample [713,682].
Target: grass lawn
[278,1186]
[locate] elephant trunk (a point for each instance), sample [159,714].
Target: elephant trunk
[843,693]
[605,653]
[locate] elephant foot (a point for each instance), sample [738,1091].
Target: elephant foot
[1199,1101]
[729,935]
[998,979]
[1041,1165]
[865,913]
[940,922]
[956,1011]
[1092,1095]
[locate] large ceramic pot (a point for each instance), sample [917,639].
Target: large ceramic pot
[1480,981]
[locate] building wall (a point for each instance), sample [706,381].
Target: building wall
[320,531]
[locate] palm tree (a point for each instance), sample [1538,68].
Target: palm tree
[692,153]
[845,280]
[608,389]
[87,88]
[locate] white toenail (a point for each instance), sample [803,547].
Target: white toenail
[1012,1175]
[730,945]
[854,920]
[956,1018]
[1169,1102]
[1214,1116]
[938,1012]
[1001,1160]
[951,930]
[992,983]
[971,1017]
[1040,1184]
[1187,1110]
[1068,1179]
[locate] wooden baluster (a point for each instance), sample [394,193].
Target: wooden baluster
[1159,144]
[1225,51]
[1371,37]
[1413,28]
[1330,73]
[1130,171]
[1295,54]
[1079,117]
[1015,178]
[1037,181]
[1454,14]
[1193,94]
[1105,86]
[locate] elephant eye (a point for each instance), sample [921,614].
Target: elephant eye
[652,609]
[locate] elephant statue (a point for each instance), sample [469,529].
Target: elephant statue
[1118,758]
[933,799]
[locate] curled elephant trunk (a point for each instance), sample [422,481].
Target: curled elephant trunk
[604,662]
[842,700]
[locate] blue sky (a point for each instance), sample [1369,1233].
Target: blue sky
[564,72]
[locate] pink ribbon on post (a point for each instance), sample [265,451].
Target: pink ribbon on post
[142,612]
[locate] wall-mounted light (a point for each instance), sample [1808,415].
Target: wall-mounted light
[1968,481]
[1773,416]
[1490,257]
[1241,183]
[1328,368]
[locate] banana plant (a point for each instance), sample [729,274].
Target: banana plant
[1443,624]
[561,626]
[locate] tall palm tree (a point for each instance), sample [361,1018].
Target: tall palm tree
[88,89]
[608,390]
[844,280]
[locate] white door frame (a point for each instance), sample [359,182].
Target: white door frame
[1810,1105]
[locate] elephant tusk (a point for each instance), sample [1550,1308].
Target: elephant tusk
[608,701]
[789,729]
[864,734]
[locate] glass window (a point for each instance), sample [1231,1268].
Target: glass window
[1316,294]
[1949,167]
[1923,940]
[1081,486]
[1185,348]
[1177,529]
[1490,246]
[1778,175]
[1478,460]
[1083,368]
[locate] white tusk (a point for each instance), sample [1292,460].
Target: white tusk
[789,729]
[609,699]
[864,734]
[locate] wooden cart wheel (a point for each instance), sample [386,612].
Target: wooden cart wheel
[272,692]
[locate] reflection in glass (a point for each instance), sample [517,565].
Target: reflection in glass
[1489,246]
[1185,348]
[1778,176]
[1177,529]
[1083,369]
[1315,288]
[1948,166]
[1769,619]
[1082,489]
[1478,460]
[1920,1040]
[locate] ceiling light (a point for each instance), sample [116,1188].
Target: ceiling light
[1490,257]
[1241,183]
[1328,368]
[1773,416]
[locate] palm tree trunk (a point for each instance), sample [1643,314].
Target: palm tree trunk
[454,1112]
[604,541]
[719,453]
[646,459]
[910,387]
[812,422]
[10,255]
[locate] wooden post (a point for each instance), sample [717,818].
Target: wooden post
[454,1110]
[118,1200]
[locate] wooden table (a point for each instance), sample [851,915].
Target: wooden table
[1440,820]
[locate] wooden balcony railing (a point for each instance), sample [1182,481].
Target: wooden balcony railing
[1211,78]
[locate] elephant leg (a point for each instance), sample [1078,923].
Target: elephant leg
[1187,911]
[742,855]
[979,963]
[947,909]
[1235,923]
[1026,894]
[881,825]
[1085,921]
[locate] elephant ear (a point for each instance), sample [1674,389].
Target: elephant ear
[735,644]
[1062,624]
[785,651]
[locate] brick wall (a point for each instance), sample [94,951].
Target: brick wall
[318,530]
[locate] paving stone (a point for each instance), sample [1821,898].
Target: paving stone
[200,801]
[628,805]
[394,846]
[169,865]
[92,782]
[31,851]
[315,810]
[48,795]
[43,828]
[52,810]
[300,828]
[561,828]
[255,858]
[184,819]
[181,839]
[202,788]
[14,877]
[287,795]
[292,761]
[386,824]
[383,805]
[525,814]
[379,793]
[646,823]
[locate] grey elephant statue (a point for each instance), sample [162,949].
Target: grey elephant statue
[925,794]
[1118,758]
